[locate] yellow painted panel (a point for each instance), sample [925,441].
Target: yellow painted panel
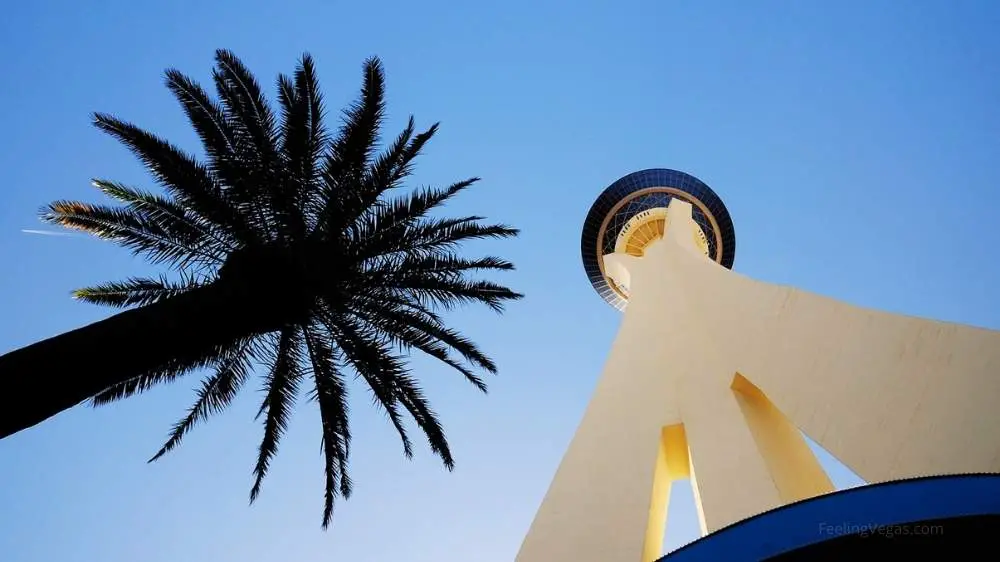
[795,470]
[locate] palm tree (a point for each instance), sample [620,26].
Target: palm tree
[288,252]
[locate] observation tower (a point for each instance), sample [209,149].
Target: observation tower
[714,377]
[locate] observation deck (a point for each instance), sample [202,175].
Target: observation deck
[631,213]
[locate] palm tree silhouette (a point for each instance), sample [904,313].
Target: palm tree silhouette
[288,252]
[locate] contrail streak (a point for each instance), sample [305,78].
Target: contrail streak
[48,232]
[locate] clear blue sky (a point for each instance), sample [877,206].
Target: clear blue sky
[855,144]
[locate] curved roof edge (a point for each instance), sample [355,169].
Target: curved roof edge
[862,511]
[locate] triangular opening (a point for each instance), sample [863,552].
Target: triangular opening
[682,514]
[682,517]
[778,436]
[841,476]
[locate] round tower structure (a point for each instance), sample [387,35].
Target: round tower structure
[632,212]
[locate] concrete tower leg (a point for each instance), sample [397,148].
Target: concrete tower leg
[746,456]
[666,408]
[608,497]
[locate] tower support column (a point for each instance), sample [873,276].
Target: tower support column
[664,409]
[607,500]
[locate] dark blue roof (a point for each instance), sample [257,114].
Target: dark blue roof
[888,517]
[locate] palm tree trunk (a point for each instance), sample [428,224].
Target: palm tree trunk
[47,377]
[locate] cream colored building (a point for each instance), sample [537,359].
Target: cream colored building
[712,376]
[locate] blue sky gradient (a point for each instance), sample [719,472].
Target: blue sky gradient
[855,144]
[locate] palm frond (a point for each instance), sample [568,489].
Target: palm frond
[374,362]
[351,151]
[282,384]
[303,141]
[132,229]
[386,375]
[397,325]
[449,265]
[311,100]
[389,227]
[393,319]
[215,394]
[389,169]
[448,293]
[165,374]
[243,100]
[448,234]
[218,137]
[383,173]
[397,214]
[416,404]
[331,396]
[253,123]
[358,137]
[170,216]
[137,291]
[404,166]
[135,386]
[186,180]
[231,154]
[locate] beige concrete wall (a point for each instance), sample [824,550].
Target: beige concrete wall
[739,364]
[891,396]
